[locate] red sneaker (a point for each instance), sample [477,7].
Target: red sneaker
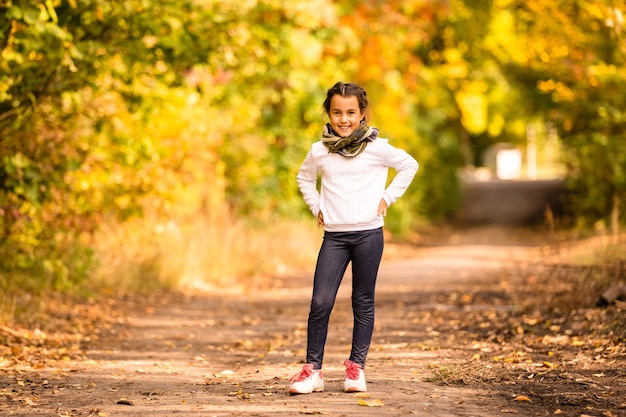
[355,378]
[306,381]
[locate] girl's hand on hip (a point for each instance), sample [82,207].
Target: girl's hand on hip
[320,219]
[382,207]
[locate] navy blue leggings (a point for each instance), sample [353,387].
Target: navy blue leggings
[364,249]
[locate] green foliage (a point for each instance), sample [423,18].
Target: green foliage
[569,61]
[70,150]
[110,111]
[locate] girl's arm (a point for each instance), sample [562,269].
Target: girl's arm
[406,166]
[307,183]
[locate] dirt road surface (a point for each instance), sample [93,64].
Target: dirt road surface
[231,353]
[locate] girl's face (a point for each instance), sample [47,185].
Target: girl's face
[345,114]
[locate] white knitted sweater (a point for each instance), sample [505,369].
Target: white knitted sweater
[351,188]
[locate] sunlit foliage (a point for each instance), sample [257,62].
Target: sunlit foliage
[204,109]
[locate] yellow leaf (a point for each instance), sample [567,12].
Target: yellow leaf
[522,398]
[28,401]
[530,321]
[124,401]
[371,403]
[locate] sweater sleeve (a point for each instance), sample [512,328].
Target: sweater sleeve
[307,183]
[405,166]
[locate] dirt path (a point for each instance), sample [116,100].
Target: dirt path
[231,354]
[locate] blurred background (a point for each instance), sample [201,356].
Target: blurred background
[154,143]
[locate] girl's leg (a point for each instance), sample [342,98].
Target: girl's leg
[332,262]
[366,257]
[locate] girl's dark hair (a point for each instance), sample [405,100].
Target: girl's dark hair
[346,90]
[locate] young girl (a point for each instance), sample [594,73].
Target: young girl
[351,205]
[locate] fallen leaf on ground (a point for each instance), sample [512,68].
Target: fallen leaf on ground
[522,398]
[124,401]
[371,403]
[225,374]
[29,402]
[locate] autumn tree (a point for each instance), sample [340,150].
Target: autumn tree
[111,111]
[567,58]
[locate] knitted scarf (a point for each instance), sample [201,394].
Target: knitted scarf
[352,145]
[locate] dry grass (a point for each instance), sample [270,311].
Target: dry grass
[600,249]
[470,373]
[200,254]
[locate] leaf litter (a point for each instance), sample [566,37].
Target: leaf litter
[532,335]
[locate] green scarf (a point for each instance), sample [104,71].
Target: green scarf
[352,145]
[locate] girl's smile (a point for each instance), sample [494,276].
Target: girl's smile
[345,114]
